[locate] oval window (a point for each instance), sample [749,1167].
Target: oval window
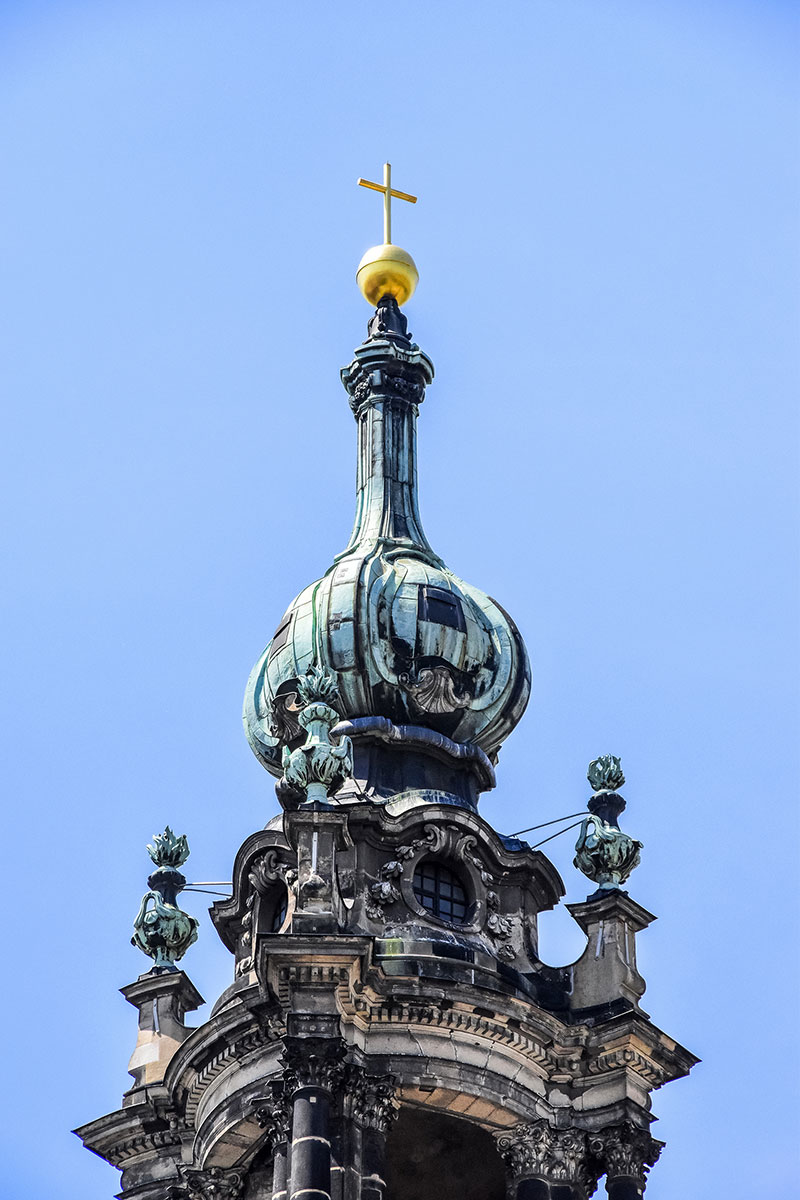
[440,891]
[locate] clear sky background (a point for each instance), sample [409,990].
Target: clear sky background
[607,236]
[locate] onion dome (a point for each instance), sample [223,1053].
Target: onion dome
[430,675]
[425,662]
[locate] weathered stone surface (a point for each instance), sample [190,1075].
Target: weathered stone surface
[162,1002]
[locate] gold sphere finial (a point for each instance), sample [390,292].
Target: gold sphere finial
[387,270]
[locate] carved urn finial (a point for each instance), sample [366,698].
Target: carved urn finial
[603,852]
[314,771]
[162,930]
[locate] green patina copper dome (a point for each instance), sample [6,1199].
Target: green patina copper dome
[420,656]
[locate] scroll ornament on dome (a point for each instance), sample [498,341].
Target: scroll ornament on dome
[161,929]
[603,852]
[317,769]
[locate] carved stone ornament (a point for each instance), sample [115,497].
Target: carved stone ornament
[162,930]
[499,928]
[215,1183]
[313,1062]
[555,1155]
[433,691]
[381,382]
[265,872]
[604,853]
[625,1150]
[370,1099]
[319,767]
[273,1112]
[384,892]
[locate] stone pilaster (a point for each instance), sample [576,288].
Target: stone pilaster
[162,1001]
[316,836]
[606,971]
[543,1163]
[625,1153]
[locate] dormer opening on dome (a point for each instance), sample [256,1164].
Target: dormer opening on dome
[437,604]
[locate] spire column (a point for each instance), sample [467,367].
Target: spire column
[386,383]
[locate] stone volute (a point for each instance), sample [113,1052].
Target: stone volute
[424,661]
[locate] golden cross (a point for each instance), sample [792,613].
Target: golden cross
[388,192]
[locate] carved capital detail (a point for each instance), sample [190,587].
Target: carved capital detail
[625,1150]
[555,1155]
[370,1099]
[215,1183]
[313,1062]
[273,1112]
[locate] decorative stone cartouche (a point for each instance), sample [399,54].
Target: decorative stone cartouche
[162,930]
[603,852]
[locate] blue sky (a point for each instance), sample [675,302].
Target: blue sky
[607,238]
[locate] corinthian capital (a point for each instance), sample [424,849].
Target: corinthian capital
[555,1155]
[313,1062]
[273,1112]
[625,1150]
[370,1099]
[214,1183]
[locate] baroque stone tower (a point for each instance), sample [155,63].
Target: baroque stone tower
[391,1032]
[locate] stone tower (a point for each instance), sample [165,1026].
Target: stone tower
[391,1032]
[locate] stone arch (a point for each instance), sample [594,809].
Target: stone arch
[431,1155]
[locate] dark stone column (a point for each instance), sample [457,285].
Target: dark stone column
[273,1113]
[311,1147]
[547,1164]
[280,1171]
[626,1153]
[314,1069]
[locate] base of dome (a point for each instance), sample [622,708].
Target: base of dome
[432,767]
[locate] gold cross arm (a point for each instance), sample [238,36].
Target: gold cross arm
[388,192]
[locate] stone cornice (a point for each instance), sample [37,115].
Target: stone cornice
[134,1132]
[230,1036]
